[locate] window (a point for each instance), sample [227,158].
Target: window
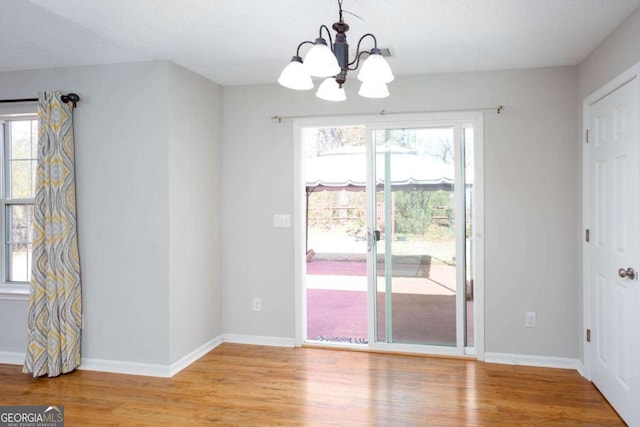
[19,142]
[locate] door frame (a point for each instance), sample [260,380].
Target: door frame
[421,119]
[614,84]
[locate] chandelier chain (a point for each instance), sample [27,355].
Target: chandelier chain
[346,11]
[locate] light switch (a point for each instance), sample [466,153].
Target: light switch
[282,220]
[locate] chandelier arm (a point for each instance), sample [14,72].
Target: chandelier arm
[328,33]
[302,44]
[356,61]
[358,53]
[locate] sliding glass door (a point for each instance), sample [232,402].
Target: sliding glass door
[419,212]
[335,166]
[389,219]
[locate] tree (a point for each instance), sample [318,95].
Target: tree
[321,140]
[414,210]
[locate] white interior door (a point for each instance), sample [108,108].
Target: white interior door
[613,251]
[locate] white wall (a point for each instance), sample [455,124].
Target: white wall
[13,326]
[120,154]
[195,149]
[126,184]
[531,188]
[618,52]
[122,210]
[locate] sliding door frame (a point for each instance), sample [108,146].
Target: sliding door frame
[474,119]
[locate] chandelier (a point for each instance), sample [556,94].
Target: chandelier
[332,63]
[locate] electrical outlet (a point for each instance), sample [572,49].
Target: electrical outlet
[257,304]
[530,319]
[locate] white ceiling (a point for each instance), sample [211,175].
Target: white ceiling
[238,42]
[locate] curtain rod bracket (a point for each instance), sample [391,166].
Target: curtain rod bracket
[70,97]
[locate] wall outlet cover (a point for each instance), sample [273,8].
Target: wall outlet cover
[530,319]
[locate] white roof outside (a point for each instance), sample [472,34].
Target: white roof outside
[342,170]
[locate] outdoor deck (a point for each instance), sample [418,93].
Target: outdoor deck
[423,301]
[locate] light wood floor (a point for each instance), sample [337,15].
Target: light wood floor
[257,386]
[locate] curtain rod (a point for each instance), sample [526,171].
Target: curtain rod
[70,97]
[497,109]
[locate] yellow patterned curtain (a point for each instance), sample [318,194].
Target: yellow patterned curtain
[55,311]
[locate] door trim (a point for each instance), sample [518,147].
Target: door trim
[477,118]
[613,85]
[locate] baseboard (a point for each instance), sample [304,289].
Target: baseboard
[149,369]
[11,358]
[167,371]
[527,360]
[154,369]
[102,365]
[194,355]
[123,367]
[581,369]
[259,340]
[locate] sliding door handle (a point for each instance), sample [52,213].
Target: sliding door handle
[372,238]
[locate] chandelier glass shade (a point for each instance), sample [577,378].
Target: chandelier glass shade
[320,60]
[331,62]
[329,90]
[295,76]
[375,69]
[373,90]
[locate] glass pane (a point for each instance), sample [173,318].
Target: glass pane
[22,183]
[19,263]
[19,232]
[469,186]
[22,159]
[416,269]
[22,139]
[336,280]
[20,222]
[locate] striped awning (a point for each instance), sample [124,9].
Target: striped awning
[347,170]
